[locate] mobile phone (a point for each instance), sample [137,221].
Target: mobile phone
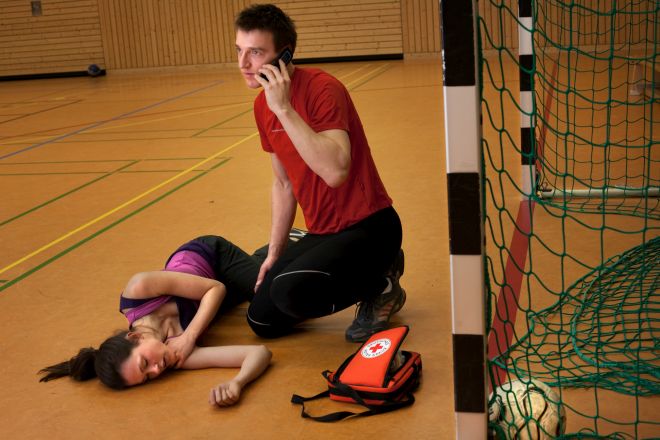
[286,55]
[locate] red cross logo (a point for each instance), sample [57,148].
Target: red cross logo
[376,348]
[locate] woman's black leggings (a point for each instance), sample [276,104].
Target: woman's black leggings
[315,276]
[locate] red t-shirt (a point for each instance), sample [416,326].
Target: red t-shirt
[324,103]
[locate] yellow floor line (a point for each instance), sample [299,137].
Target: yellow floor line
[368,74]
[160,185]
[123,205]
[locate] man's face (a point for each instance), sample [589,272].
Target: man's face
[253,48]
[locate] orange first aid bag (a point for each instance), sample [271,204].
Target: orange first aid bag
[379,376]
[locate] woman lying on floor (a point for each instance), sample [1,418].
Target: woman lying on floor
[167,311]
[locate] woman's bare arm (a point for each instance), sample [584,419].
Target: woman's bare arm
[252,360]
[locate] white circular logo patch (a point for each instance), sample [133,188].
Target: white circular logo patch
[376,348]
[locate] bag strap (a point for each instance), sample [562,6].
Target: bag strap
[333,417]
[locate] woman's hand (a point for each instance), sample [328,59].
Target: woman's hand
[182,346]
[225,394]
[252,359]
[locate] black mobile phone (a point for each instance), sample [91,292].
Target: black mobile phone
[286,55]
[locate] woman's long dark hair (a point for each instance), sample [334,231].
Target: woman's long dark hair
[90,362]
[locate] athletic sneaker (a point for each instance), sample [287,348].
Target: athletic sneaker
[374,315]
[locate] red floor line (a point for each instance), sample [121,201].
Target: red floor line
[504,318]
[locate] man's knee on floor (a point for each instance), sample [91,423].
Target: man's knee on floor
[265,327]
[264,331]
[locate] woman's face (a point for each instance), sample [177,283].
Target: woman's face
[147,361]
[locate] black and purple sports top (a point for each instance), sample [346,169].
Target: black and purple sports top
[194,258]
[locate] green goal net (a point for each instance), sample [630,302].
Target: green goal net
[573,262]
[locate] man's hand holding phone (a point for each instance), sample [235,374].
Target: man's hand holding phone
[286,56]
[275,80]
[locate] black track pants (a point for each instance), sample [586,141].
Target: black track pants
[322,274]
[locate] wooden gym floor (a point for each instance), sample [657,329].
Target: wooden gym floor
[104,177]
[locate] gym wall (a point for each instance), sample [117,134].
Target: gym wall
[69,35]
[65,38]
[575,25]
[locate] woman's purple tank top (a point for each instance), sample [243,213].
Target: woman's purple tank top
[192,258]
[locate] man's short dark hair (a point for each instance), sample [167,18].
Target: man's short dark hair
[269,18]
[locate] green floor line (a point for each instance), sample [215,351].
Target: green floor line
[154,130]
[221,123]
[175,158]
[47,132]
[158,171]
[48,202]
[66,173]
[87,141]
[60,173]
[99,161]
[106,228]
[221,136]
[25,115]
[120,170]
[64,161]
